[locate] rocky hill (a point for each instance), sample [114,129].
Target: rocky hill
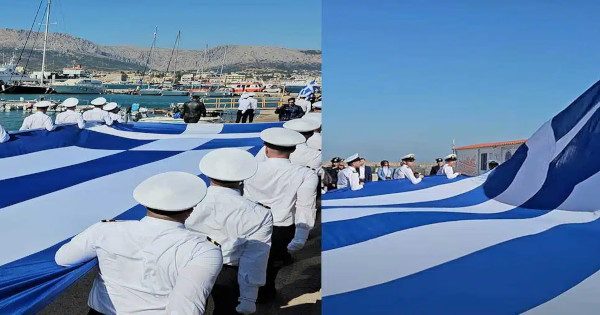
[64,48]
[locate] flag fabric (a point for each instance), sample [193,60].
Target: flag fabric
[55,184]
[523,238]
[308,91]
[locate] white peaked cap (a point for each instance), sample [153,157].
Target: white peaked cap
[352,158]
[70,102]
[408,156]
[229,164]
[171,191]
[42,104]
[313,116]
[99,101]
[251,94]
[450,156]
[302,125]
[317,104]
[314,142]
[282,137]
[110,106]
[244,95]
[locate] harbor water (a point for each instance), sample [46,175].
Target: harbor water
[12,120]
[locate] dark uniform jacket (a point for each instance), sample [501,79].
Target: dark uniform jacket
[434,170]
[192,111]
[287,112]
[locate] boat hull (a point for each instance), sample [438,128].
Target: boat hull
[150,92]
[63,89]
[175,93]
[25,89]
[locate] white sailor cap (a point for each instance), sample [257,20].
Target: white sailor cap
[70,102]
[251,94]
[170,191]
[313,116]
[282,137]
[317,104]
[314,142]
[352,158]
[42,104]
[302,125]
[110,106]
[229,164]
[408,157]
[99,101]
[450,157]
[244,95]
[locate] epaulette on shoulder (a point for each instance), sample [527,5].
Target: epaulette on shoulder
[213,241]
[262,205]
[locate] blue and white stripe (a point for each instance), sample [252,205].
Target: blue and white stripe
[308,90]
[522,238]
[55,184]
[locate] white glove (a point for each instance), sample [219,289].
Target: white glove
[299,239]
[246,307]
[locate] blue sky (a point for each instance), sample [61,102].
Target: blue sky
[409,76]
[289,24]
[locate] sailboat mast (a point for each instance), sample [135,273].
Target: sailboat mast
[176,56]
[45,42]
[223,63]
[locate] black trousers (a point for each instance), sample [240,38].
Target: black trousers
[94,312]
[249,114]
[238,117]
[226,291]
[278,256]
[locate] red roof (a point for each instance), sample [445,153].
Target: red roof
[491,144]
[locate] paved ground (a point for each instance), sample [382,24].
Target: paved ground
[298,285]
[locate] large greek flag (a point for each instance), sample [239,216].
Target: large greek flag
[523,238]
[55,184]
[308,90]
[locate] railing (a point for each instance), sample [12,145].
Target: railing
[222,102]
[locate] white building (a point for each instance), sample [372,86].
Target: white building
[473,159]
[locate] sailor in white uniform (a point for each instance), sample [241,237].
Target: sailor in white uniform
[70,116]
[4,136]
[39,119]
[243,106]
[290,192]
[348,177]
[304,155]
[154,265]
[97,113]
[242,227]
[251,108]
[447,168]
[405,170]
[317,106]
[304,104]
[112,109]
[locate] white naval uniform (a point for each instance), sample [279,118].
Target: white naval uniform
[4,136]
[70,116]
[151,266]
[305,104]
[244,104]
[261,156]
[116,117]
[289,190]
[97,114]
[447,170]
[243,228]
[348,177]
[306,156]
[37,120]
[253,103]
[406,172]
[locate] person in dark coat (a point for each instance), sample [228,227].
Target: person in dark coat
[289,111]
[193,110]
[436,168]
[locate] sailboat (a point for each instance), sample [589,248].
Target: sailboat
[19,84]
[148,90]
[169,91]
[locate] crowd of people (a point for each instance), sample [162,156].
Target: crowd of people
[353,172]
[297,109]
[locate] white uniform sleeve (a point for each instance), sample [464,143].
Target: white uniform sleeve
[4,136]
[449,172]
[80,121]
[48,124]
[411,176]
[80,249]
[108,120]
[355,181]
[25,124]
[306,206]
[194,283]
[253,261]
[315,163]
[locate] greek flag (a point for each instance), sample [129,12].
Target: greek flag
[523,238]
[55,184]
[308,91]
